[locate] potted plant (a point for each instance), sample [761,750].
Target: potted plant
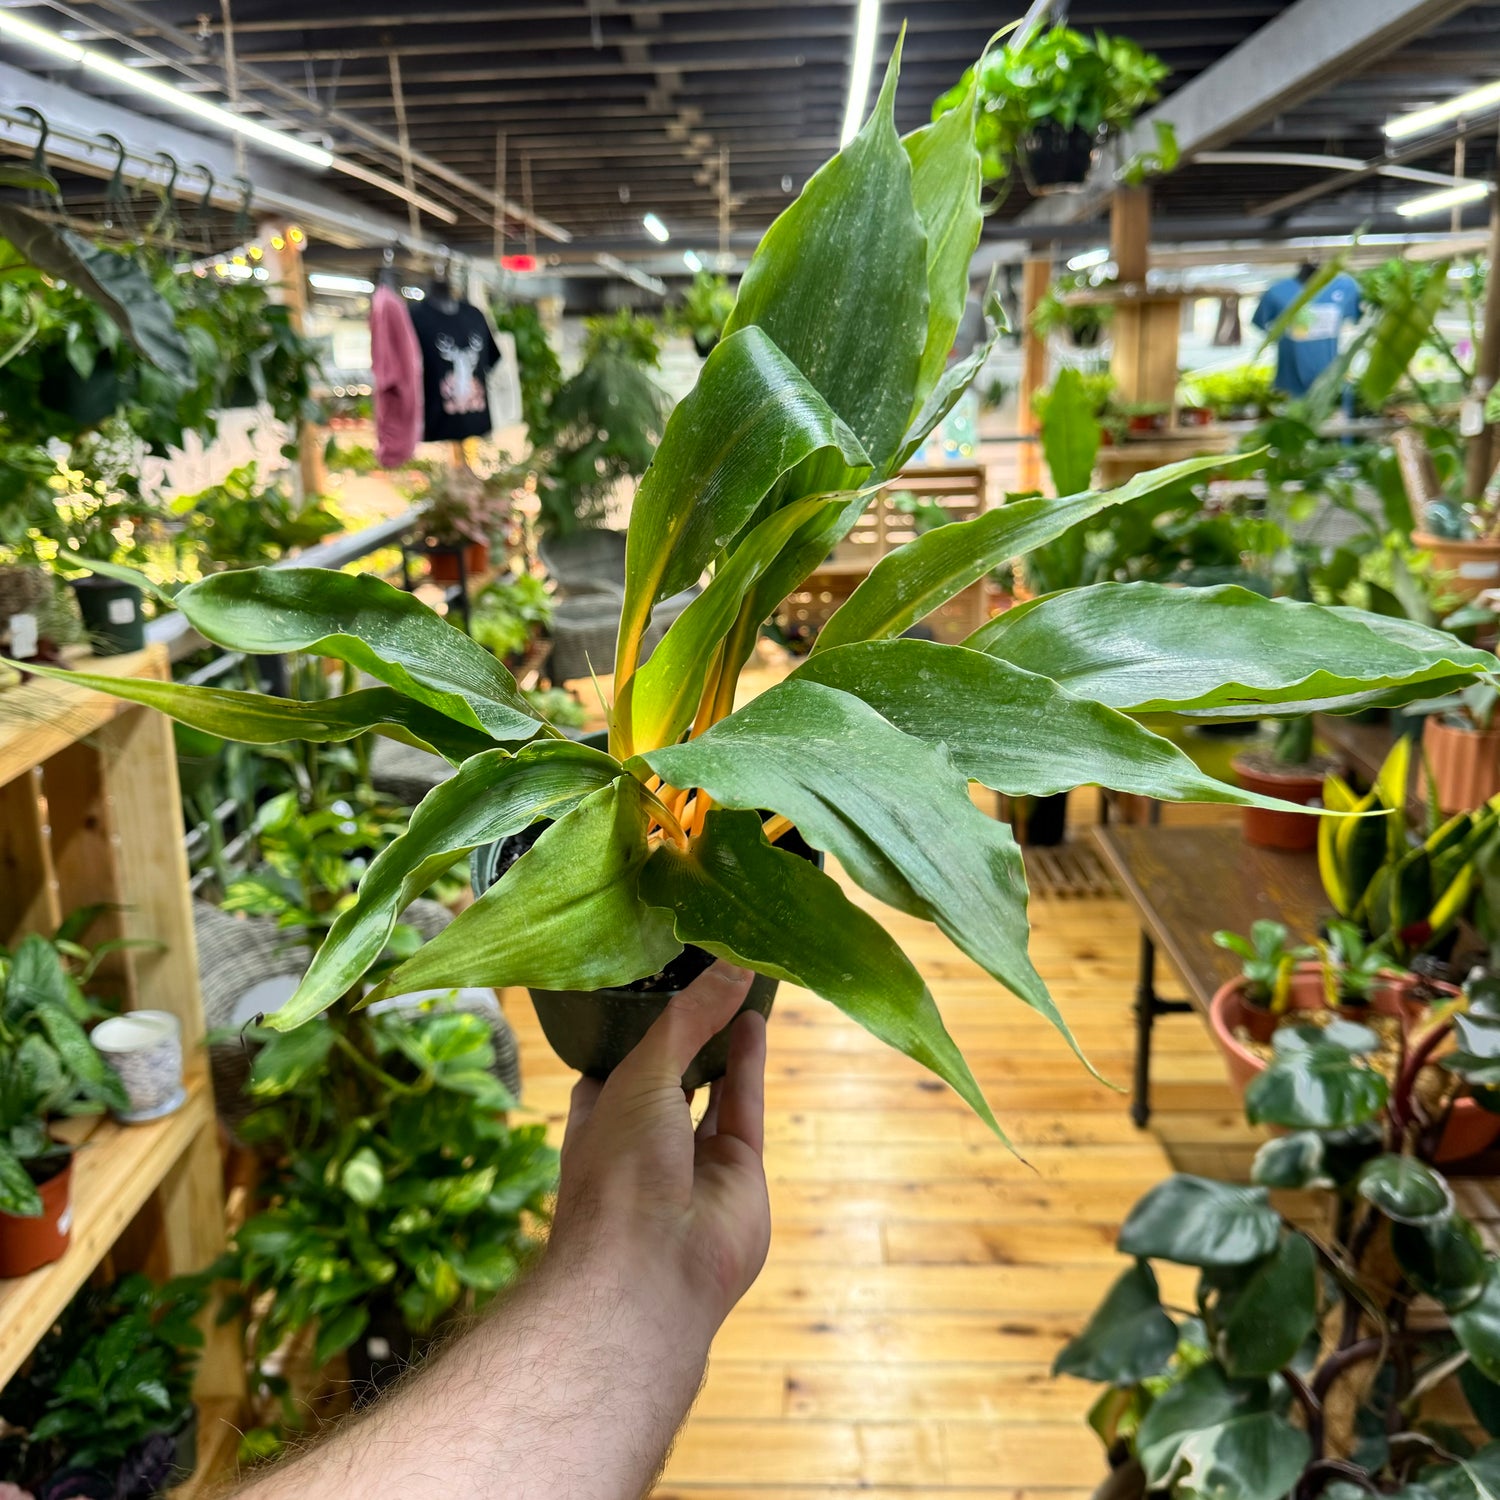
[461,514]
[240,521]
[509,614]
[1082,323]
[47,1068]
[396,1194]
[672,838]
[1461,746]
[1290,772]
[1270,965]
[1309,1360]
[1243,393]
[703,311]
[1050,100]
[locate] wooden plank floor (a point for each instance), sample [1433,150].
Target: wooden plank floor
[922,1277]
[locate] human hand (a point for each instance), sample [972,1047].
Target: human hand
[679,1219]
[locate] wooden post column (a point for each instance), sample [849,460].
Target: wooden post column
[289,287]
[1036,277]
[1147,327]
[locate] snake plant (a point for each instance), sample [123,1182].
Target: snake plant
[832,369]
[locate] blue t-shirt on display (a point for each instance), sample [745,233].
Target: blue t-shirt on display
[1311,344]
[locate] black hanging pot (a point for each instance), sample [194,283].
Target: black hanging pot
[1056,159]
[1046,821]
[111,615]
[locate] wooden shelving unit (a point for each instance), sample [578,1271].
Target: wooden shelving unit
[89,813]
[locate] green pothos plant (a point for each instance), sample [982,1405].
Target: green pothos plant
[832,369]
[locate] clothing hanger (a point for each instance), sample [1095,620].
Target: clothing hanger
[439,287]
[388,276]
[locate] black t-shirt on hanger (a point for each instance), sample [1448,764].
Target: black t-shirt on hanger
[458,351]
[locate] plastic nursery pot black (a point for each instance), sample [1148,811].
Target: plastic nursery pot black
[1057,160]
[111,615]
[1046,823]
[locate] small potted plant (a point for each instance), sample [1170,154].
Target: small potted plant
[1082,323]
[241,521]
[461,515]
[703,311]
[1290,772]
[48,1068]
[1461,746]
[509,614]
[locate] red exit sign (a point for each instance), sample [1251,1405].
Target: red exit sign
[518,262]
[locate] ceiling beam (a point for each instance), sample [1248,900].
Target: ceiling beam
[1310,45]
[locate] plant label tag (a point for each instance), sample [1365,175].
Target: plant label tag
[23,635]
[65,1221]
[1471,418]
[121,611]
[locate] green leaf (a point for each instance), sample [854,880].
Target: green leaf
[951,385]
[1070,434]
[907,585]
[840,284]
[18,1194]
[1052,741]
[1446,1260]
[490,796]
[257,719]
[1148,647]
[1406,1190]
[1129,1337]
[566,915]
[945,189]
[362,1177]
[486,1268]
[286,1061]
[1259,1457]
[112,279]
[95,1077]
[1290,1161]
[1405,324]
[659,702]
[1273,1313]
[379,629]
[1194,1221]
[1204,1399]
[751,418]
[1476,1477]
[1483,1396]
[739,897]
[1477,1327]
[335,1334]
[1321,1088]
[893,810]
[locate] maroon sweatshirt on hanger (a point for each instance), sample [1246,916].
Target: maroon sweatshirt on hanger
[396,357]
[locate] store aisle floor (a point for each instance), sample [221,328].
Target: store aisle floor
[921,1277]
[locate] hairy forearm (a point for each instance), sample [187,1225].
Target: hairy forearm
[571,1389]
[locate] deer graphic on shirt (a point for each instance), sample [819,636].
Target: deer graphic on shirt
[461,391]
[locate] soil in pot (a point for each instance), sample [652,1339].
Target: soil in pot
[592,1031]
[1268,829]
[26,1244]
[1465,764]
[111,615]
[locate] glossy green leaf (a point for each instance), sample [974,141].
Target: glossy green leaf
[489,796]
[567,915]
[18,1194]
[259,719]
[840,284]
[1052,741]
[362,1177]
[1406,1190]
[751,418]
[1290,1161]
[97,1080]
[907,585]
[379,629]
[1321,1088]
[1202,1400]
[1147,647]
[1129,1338]
[1195,1221]
[1446,1260]
[1070,434]
[1482,1394]
[945,189]
[335,1334]
[739,897]
[1477,1327]
[1273,1313]
[287,1060]
[894,811]
[1476,1477]
[1259,1457]
[1403,326]
[661,699]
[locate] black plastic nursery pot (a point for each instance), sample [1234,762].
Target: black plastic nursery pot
[1046,823]
[111,614]
[1055,159]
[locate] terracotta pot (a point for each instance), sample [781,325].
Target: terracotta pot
[26,1244]
[1470,1129]
[1195,416]
[1465,764]
[1473,564]
[1279,830]
[444,562]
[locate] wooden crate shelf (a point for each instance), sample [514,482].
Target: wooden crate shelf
[218,1448]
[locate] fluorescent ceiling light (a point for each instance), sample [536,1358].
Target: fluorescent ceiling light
[1088,260]
[326,281]
[691,261]
[1433,203]
[866,28]
[1461,105]
[656,229]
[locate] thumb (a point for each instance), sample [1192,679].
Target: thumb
[691,1018]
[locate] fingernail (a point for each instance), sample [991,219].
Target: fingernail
[733,972]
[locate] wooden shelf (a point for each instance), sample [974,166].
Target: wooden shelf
[114,1172]
[1135,294]
[218,1448]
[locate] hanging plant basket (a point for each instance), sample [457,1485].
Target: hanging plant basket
[1058,160]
